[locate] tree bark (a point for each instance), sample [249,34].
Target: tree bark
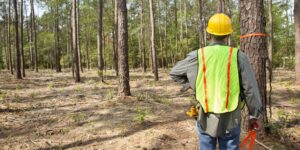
[201,34]
[17,44]
[297,39]
[1,48]
[75,43]
[8,40]
[186,28]
[78,36]
[176,34]
[166,35]
[1,53]
[142,39]
[99,41]
[252,20]
[270,54]
[34,35]
[115,38]
[21,39]
[154,52]
[160,37]
[87,50]
[220,6]
[124,87]
[57,42]
[229,12]
[30,33]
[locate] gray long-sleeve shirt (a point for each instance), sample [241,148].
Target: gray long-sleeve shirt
[185,72]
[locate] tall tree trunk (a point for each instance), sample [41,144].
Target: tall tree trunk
[6,44]
[181,23]
[30,35]
[1,48]
[252,20]
[34,35]
[220,6]
[176,34]
[115,38]
[75,43]
[297,39]
[270,53]
[166,38]
[288,51]
[160,37]
[186,28]
[99,40]
[201,34]
[78,36]
[18,53]
[142,39]
[57,43]
[124,87]
[229,12]
[8,40]
[87,50]
[154,52]
[21,39]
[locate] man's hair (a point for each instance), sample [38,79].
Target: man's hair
[219,37]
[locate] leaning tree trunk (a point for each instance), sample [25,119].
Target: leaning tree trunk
[123,88]
[252,20]
[297,39]
[99,40]
[154,52]
[18,53]
[75,44]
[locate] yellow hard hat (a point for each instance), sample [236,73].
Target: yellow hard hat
[219,24]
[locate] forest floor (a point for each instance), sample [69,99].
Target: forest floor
[47,110]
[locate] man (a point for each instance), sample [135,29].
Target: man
[223,81]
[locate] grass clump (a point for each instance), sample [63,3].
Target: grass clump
[110,94]
[79,117]
[141,114]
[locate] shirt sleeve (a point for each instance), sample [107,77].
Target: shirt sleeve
[185,71]
[249,88]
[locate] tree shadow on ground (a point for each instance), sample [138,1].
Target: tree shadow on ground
[101,139]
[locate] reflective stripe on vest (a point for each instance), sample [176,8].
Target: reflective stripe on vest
[217,84]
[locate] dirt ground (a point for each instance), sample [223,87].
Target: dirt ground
[47,110]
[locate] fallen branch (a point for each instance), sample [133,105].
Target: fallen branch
[263,145]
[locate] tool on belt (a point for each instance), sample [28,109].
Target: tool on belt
[193,112]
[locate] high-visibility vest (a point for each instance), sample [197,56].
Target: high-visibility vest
[217,84]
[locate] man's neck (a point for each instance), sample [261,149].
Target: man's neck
[219,41]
